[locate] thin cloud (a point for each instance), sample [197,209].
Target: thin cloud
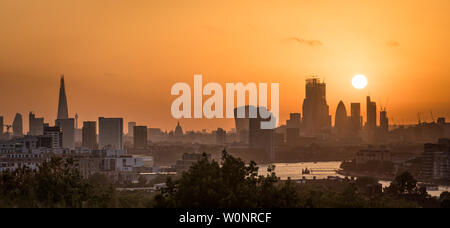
[301,41]
[393,43]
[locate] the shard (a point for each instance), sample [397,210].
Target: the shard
[63,112]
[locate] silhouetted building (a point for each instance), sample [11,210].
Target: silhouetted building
[242,125]
[384,122]
[293,128]
[1,126]
[89,135]
[355,120]
[221,136]
[341,121]
[63,111]
[140,138]
[36,125]
[56,136]
[68,129]
[371,114]
[356,117]
[178,131]
[17,125]
[110,133]
[261,138]
[371,124]
[316,117]
[131,126]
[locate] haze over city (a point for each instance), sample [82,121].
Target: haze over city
[121,58]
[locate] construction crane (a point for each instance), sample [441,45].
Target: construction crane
[418,118]
[432,116]
[7,128]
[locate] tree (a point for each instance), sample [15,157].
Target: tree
[445,199]
[57,183]
[230,184]
[406,183]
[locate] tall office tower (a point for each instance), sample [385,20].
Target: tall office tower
[384,122]
[341,120]
[140,137]
[242,124]
[36,125]
[261,138]
[371,114]
[356,117]
[131,126]
[17,125]
[110,133]
[90,135]
[221,136]
[1,126]
[316,117]
[56,135]
[293,128]
[68,130]
[63,112]
[371,124]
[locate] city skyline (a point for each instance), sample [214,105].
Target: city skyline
[230,122]
[126,66]
[250,104]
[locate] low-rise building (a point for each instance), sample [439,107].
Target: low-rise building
[188,160]
[436,160]
[373,154]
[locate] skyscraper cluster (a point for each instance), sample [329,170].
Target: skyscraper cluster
[62,135]
[316,121]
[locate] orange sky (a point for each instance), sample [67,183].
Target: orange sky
[122,57]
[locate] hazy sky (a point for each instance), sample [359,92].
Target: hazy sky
[121,58]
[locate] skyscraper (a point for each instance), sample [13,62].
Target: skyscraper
[356,118]
[371,124]
[110,133]
[1,126]
[371,114]
[63,111]
[384,122]
[89,135]
[36,125]
[242,125]
[68,131]
[131,126]
[17,125]
[140,137]
[316,117]
[341,120]
[260,138]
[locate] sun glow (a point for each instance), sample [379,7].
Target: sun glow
[359,81]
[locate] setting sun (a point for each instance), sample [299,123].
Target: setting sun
[359,81]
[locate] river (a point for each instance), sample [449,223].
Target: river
[321,170]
